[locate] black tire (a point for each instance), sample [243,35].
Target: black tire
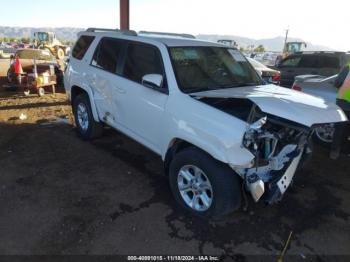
[320,142]
[94,129]
[226,184]
[9,76]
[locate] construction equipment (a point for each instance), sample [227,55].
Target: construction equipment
[228,42]
[293,47]
[49,42]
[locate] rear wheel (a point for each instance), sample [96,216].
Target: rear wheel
[202,185]
[87,127]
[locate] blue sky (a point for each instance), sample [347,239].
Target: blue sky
[320,22]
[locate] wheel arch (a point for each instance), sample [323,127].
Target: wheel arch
[76,91]
[178,144]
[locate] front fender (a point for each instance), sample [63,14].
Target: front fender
[215,132]
[234,155]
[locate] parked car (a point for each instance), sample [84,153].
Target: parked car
[311,63]
[42,58]
[320,86]
[268,58]
[268,75]
[202,107]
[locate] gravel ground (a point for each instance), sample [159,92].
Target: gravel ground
[62,196]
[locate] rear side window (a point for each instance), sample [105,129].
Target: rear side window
[310,61]
[82,46]
[329,62]
[142,60]
[107,54]
[291,61]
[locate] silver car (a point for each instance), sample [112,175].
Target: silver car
[320,86]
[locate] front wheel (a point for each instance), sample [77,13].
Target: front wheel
[87,127]
[324,134]
[202,185]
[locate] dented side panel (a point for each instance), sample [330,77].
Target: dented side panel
[210,129]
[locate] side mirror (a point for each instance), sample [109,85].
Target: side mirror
[153,81]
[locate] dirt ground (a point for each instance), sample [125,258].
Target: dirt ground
[62,196]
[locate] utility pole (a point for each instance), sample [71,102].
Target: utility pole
[285,40]
[124,15]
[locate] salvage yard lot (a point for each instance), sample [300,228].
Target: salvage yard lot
[60,195]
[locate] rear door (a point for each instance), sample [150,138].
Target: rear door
[104,77]
[141,108]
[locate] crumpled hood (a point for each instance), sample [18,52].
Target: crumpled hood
[285,103]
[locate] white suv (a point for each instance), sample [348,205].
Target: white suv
[200,106]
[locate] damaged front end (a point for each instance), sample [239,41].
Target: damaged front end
[279,147]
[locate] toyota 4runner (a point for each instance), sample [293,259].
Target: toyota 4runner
[202,107]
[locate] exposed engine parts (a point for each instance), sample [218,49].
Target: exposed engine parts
[278,149]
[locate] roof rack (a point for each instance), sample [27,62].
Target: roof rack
[167,34]
[125,32]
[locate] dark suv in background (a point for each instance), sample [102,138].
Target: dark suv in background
[311,63]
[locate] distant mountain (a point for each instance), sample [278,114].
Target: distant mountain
[62,33]
[271,44]
[70,34]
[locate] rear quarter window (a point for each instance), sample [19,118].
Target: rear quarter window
[330,62]
[82,45]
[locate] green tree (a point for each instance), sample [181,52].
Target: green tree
[260,49]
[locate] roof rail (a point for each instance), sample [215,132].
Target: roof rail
[125,32]
[167,34]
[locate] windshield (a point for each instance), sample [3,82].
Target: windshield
[209,68]
[43,36]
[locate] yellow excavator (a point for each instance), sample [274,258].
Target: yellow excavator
[49,42]
[292,48]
